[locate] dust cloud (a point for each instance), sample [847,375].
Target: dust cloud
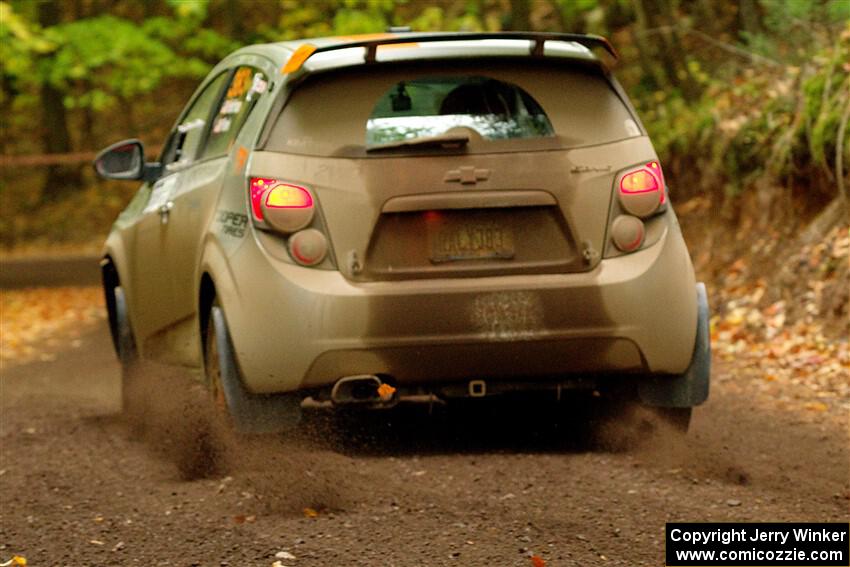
[172,414]
[315,467]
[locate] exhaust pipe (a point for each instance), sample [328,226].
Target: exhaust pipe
[363,389]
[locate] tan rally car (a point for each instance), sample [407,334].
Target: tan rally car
[393,217]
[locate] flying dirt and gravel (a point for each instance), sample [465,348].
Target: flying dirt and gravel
[81,485]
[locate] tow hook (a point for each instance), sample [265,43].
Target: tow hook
[589,253]
[477,388]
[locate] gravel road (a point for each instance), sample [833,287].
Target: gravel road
[80,486]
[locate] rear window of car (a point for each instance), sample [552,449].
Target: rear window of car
[430,106]
[512,106]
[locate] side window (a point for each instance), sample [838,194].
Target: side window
[182,146]
[245,88]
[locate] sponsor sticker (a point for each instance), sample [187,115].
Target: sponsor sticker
[232,223]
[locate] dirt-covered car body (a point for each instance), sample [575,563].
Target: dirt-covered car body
[455,215]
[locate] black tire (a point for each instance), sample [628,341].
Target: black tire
[128,354]
[248,412]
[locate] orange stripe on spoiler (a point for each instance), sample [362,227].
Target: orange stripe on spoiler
[298,58]
[398,45]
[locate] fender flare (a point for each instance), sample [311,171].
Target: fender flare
[215,266]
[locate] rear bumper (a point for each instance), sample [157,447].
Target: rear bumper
[295,327]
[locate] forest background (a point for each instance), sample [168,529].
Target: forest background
[747,101]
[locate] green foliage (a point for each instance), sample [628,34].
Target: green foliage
[302,19]
[734,94]
[780,125]
[133,65]
[100,60]
[20,43]
[195,9]
[790,26]
[430,19]
[349,22]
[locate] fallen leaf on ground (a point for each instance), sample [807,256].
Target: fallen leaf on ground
[35,321]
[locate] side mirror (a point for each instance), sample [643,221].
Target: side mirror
[124,160]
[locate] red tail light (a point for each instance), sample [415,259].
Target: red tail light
[289,210]
[258,187]
[642,190]
[655,169]
[640,181]
[282,206]
[282,196]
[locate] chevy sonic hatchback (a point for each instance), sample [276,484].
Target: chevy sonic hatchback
[398,217]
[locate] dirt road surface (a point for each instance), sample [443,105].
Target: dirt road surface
[80,486]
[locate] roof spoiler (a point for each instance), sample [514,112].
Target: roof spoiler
[372,43]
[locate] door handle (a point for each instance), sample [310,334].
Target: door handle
[165,211]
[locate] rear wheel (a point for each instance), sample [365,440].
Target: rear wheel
[248,412]
[213,371]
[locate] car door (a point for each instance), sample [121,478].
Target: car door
[154,285]
[195,197]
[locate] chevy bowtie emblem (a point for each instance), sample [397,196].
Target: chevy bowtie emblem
[468,175]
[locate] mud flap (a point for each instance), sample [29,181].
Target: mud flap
[251,413]
[691,387]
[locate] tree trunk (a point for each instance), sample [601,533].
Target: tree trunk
[60,180]
[708,17]
[234,18]
[670,51]
[648,60]
[686,79]
[750,19]
[520,15]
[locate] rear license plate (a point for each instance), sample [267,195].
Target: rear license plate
[453,241]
